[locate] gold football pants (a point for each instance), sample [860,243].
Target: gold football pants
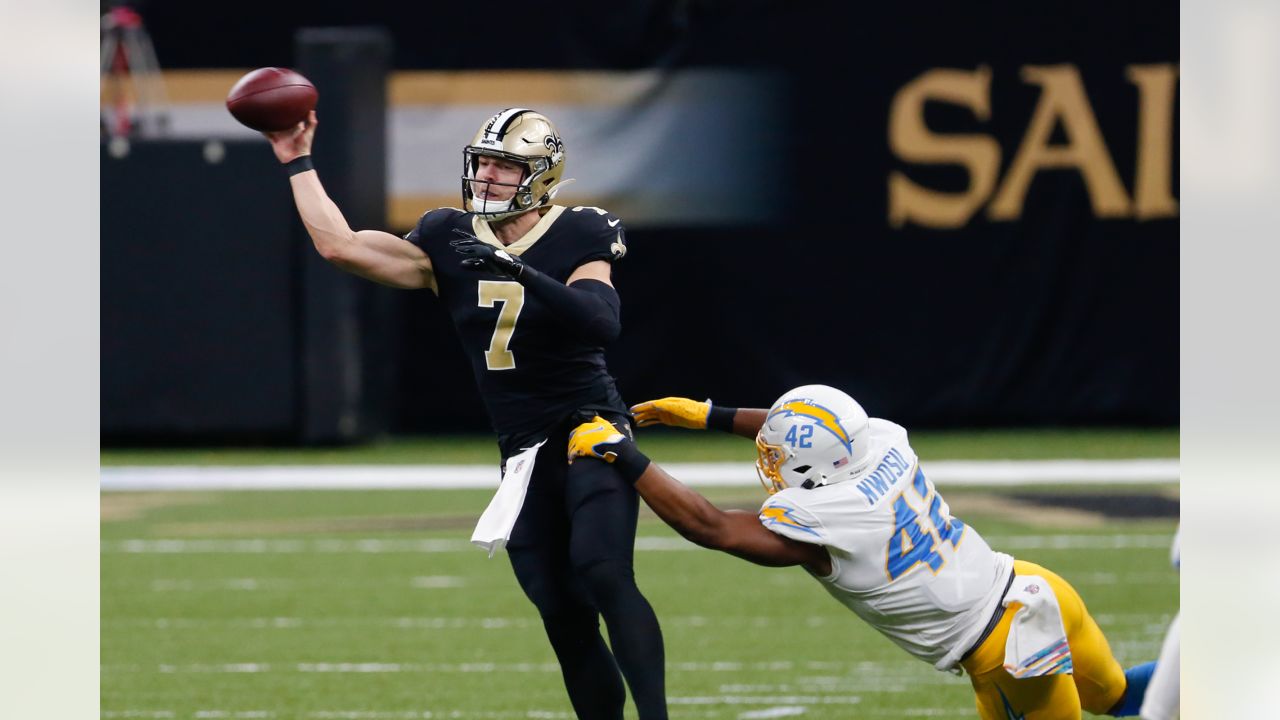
[1097,682]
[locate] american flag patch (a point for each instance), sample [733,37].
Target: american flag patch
[841,462]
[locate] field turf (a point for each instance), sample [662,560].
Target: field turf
[667,445]
[329,605]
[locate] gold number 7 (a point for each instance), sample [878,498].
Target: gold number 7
[511,295]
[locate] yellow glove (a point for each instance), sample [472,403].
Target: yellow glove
[597,439]
[673,411]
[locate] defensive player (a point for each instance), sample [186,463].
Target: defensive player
[851,505]
[527,285]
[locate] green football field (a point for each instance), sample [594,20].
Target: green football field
[667,445]
[359,605]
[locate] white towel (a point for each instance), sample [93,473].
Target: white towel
[494,528]
[1037,643]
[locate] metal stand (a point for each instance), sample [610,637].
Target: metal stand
[133,97]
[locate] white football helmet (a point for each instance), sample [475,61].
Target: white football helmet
[813,435]
[523,137]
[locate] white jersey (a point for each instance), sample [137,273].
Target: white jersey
[899,560]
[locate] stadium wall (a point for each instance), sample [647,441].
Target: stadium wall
[957,237]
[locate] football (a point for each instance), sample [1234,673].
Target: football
[269,99]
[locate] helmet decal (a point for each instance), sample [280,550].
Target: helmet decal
[826,419]
[499,123]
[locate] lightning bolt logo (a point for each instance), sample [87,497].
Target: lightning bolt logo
[775,515]
[826,419]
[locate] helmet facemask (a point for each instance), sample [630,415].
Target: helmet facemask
[769,462]
[780,467]
[521,199]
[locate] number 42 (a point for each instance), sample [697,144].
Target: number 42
[915,539]
[803,439]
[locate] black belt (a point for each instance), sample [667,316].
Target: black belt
[995,619]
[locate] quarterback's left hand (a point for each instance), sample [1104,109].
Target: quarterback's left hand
[486,258]
[597,439]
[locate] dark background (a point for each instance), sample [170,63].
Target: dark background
[1056,318]
[574,34]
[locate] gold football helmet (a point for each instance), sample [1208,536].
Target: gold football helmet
[524,137]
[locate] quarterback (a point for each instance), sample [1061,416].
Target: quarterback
[527,284]
[850,503]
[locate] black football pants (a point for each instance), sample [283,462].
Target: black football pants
[571,550]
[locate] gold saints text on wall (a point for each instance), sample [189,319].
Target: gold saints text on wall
[1063,101]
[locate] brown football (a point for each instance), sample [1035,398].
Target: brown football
[272,99]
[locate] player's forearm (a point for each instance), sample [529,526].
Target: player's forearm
[329,231]
[589,308]
[748,421]
[745,422]
[690,514]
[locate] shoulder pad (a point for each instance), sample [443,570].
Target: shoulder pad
[590,215]
[433,223]
[605,233]
[780,514]
[433,220]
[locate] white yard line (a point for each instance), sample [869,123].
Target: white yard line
[766,700]
[260,546]
[384,477]
[881,672]
[773,712]
[385,714]
[686,709]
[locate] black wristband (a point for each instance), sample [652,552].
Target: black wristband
[630,463]
[721,418]
[300,164]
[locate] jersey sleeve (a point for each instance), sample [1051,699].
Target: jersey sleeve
[433,225]
[602,235]
[789,519]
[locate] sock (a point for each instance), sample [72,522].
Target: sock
[1136,680]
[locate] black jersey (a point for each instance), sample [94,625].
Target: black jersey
[532,370]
